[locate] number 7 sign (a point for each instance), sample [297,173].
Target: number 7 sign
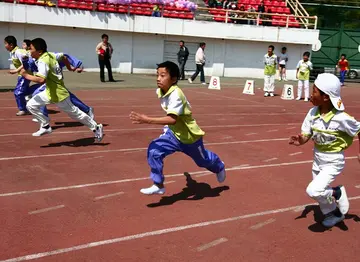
[249,87]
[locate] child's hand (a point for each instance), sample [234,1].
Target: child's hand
[13,71]
[296,140]
[79,70]
[137,118]
[23,72]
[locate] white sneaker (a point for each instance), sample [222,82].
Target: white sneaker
[203,83]
[280,78]
[306,100]
[42,131]
[266,94]
[298,98]
[190,81]
[99,132]
[35,120]
[285,79]
[153,190]
[221,176]
[272,94]
[343,202]
[91,113]
[331,220]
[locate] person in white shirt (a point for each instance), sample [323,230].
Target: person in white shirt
[303,74]
[200,62]
[282,61]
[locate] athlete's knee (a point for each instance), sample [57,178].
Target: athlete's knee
[313,191]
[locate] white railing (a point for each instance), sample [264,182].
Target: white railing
[298,9]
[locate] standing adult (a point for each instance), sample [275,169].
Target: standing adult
[200,62]
[104,51]
[183,55]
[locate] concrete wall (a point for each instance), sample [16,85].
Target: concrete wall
[232,50]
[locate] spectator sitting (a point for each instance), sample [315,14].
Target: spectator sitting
[252,17]
[156,11]
[261,7]
[212,4]
[242,15]
[232,15]
[267,17]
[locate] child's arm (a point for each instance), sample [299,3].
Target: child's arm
[137,118]
[306,131]
[67,64]
[16,71]
[40,76]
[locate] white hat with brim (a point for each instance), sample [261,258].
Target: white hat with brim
[330,85]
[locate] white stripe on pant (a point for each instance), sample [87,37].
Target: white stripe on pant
[41,99]
[305,84]
[269,83]
[319,189]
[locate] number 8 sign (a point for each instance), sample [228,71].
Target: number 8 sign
[214,83]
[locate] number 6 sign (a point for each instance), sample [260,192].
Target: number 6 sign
[214,83]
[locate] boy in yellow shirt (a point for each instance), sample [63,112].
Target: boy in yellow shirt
[50,74]
[181,132]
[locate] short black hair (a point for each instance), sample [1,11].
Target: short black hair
[104,35]
[11,40]
[202,44]
[284,48]
[39,44]
[343,55]
[306,54]
[27,42]
[272,47]
[172,68]
[182,41]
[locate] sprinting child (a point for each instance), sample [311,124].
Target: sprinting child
[181,132]
[50,74]
[282,61]
[22,88]
[270,60]
[72,64]
[332,131]
[343,65]
[303,74]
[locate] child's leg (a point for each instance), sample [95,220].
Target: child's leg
[20,93]
[300,87]
[203,157]
[319,189]
[342,76]
[284,73]
[39,88]
[266,83]
[78,103]
[272,85]
[306,90]
[34,105]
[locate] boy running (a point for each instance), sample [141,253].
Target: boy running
[303,74]
[50,74]
[181,132]
[270,71]
[332,131]
[343,64]
[22,88]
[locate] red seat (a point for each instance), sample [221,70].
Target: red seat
[287,10]
[278,10]
[282,4]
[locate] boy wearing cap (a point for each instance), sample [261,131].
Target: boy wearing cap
[332,131]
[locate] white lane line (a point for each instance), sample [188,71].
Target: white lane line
[271,159]
[296,153]
[169,182]
[154,233]
[291,127]
[133,149]
[250,134]
[212,244]
[358,186]
[272,130]
[109,195]
[88,158]
[46,209]
[148,128]
[260,225]
[299,209]
[146,178]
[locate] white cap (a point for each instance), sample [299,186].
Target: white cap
[330,85]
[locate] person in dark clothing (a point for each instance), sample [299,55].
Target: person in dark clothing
[183,55]
[104,51]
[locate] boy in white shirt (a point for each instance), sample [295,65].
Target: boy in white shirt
[270,60]
[282,60]
[303,74]
[332,131]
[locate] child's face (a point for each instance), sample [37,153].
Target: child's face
[24,46]
[164,80]
[306,58]
[270,50]
[318,99]
[283,51]
[342,57]
[34,53]
[8,46]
